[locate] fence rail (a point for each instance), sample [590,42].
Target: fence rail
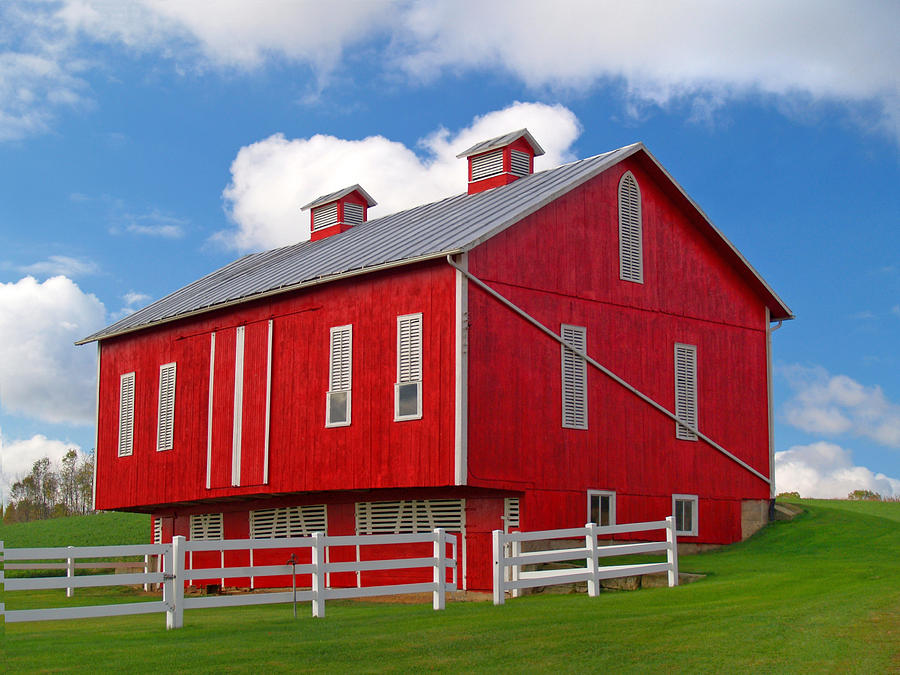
[176,574]
[509,558]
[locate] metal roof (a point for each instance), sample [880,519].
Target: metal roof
[334,196]
[449,226]
[502,142]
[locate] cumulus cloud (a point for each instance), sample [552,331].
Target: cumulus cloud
[826,471]
[18,456]
[60,265]
[42,374]
[273,178]
[702,52]
[133,302]
[837,404]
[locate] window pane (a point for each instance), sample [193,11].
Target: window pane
[595,509]
[408,399]
[338,407]
[604,510]
[688,516]
[679,516]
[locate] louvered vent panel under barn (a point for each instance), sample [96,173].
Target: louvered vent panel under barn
[410,516]
[289,521]
[207,526]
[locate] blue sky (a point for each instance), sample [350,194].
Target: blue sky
[145,144]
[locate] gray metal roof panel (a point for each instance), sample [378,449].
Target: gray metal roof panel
[334,196]
[502,142]
[450,225]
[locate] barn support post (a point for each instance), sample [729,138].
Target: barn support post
[672,551]
[497,537]
[318,575]
[175,616]
[70,572]
[590,541]
[440,568]
[514,570]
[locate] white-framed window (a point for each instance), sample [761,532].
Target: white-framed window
[408,389]
[686,390]
[208,526]
[126,414]
[410,516]
[340,371]
[288,521]
[685,510]
[574,378]
[631,254]
[601,507]
[165,427]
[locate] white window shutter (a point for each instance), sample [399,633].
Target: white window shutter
[408,390]
[631,256]
[126,414]
[686,390]
[520,162]
[574,378]
[353,213]
[165,429]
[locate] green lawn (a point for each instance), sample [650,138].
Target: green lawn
[819,594]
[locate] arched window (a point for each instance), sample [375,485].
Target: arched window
[631,257]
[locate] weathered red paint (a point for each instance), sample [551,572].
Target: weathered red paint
[561,264]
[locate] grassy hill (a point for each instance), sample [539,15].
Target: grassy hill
[818,594]
[97,529]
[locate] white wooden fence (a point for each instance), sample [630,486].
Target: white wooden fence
[508,555]
[176,575]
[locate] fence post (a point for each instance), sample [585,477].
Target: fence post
[590,541]
[515,569]
[318,575]
[672,551]
[175,618]
[440,568]
[70,572]
[497,536]
[147,571]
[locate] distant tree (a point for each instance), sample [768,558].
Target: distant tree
[50,493]
[866,495]
[794,495]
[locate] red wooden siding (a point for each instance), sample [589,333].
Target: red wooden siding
[374,451]
[562,266]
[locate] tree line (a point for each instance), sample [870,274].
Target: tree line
[52,491]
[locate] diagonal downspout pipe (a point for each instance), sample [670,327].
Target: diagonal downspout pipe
[537,324]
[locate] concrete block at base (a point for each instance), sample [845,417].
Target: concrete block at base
[754,516]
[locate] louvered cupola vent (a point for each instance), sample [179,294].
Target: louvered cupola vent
[501,160]
[339,211]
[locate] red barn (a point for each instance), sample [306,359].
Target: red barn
[414,371]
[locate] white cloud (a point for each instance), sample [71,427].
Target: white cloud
[702,53]
[60,265]
[18,456]
[152,224]
[42,374]
[838,404]
[273,178]
[167,231]
[133,302]
[826,471]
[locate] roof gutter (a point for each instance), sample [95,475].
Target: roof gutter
[537,324]
[97,337]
